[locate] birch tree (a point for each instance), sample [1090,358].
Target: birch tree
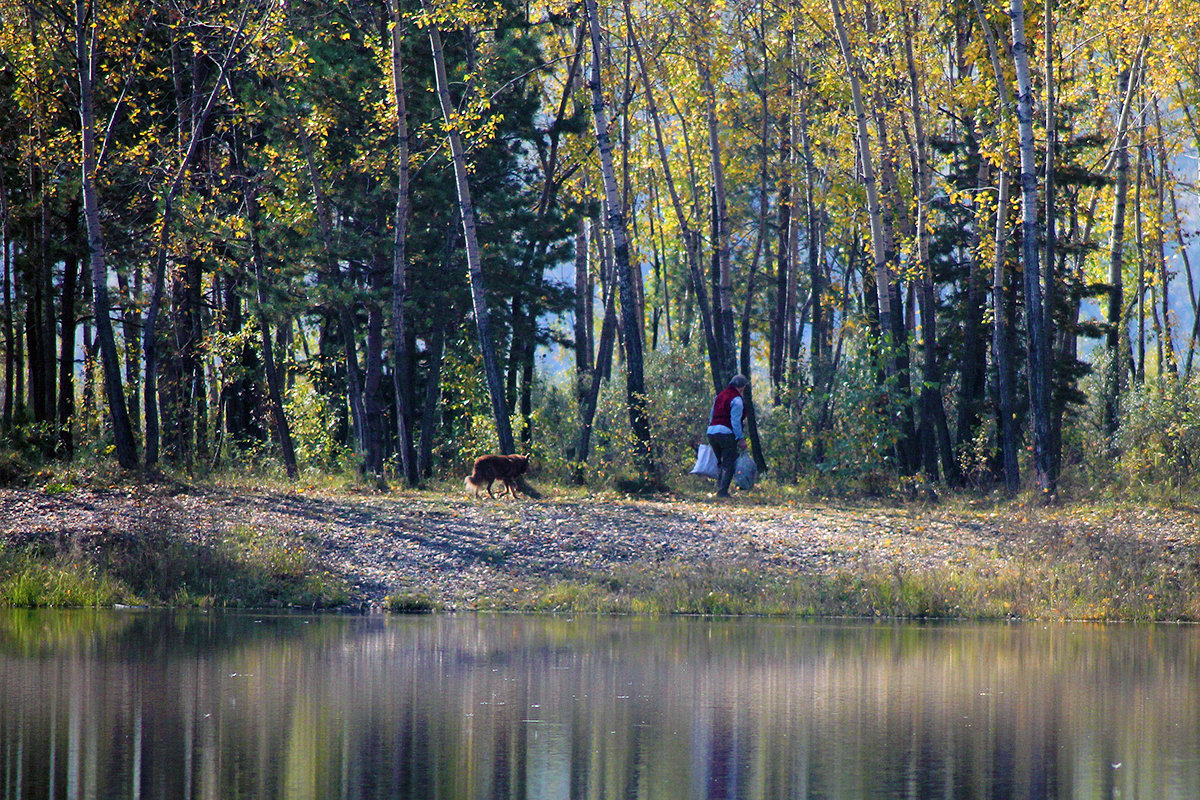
[466,209]
[1035,318]
[614,210]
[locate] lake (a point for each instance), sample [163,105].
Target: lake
[137,704]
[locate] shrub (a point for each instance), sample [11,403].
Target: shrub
[678,397]
[1158,440]
[314,427]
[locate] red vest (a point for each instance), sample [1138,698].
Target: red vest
[720,412]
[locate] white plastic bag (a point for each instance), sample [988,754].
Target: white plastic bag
[706,462]
[745,472]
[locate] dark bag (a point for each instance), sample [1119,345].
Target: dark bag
[745,472]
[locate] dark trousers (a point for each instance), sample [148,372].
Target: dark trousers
[725,447]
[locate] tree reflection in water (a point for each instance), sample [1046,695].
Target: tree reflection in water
[149,705]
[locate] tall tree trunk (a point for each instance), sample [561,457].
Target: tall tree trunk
[583,311]
[89,367]
[932,408]
[1006,400]
[38,347]
[1116,297]
[200,374]
[150,322]
[1038,347]
[615,218]
[972,388]
[123,440]
[604,353]
[1139,238]
[1168,358]
[779,325]
[821,321]
[1051,301]
[691,236]
[185,361]
[10,356]
[68,321]
[373,378]
[1183,247]
[433,394]
[401,369]
[723,283]
[862,138]
[471,241]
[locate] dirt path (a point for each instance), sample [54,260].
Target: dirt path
[458,551]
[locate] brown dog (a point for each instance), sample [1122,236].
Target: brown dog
[489,469]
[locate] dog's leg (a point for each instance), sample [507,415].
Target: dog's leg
[493,480]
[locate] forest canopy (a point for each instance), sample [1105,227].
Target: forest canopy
[949,242]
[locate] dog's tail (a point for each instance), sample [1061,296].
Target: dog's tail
[472,485]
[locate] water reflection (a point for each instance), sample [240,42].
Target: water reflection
[141,705]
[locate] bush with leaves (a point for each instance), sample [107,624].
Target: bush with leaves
[679,395]
[1158,441]
[314,427]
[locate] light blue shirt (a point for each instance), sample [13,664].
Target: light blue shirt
[735,417]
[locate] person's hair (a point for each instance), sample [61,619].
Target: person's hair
[739,381]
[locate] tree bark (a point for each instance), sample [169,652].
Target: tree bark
[1116,296]
[68,321]
[1006,400]
[10,359]
[972,389]
[723,285]
[1168,359]
[932,407]
[1038,347]
[821,318]
[401,369]
[779,328]
[615,219]
[1052,304]
[466,210]
[1139,238]
[690,236]
[373,378]
[862,136]
[583,311]
[85,66]
[433,395]
[150,322]
[591,396]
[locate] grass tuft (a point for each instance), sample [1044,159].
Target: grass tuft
[410,603]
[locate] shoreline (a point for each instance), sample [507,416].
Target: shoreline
[574,552]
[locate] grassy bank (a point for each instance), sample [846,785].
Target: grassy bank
[762,554]
[1058,564]
[157,564]
[1024,589]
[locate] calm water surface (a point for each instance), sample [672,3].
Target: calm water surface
[149,705]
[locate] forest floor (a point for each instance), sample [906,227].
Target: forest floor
[572,551]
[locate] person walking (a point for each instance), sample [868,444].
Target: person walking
[725,430]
